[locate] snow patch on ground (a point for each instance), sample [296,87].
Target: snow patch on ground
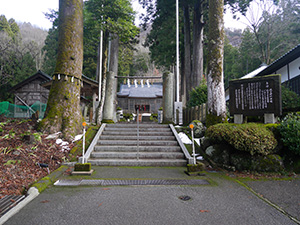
[77,137]
[200,158]
[53,136]
[58,141]
[64,144]
[184,138]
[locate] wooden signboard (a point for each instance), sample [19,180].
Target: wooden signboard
[255,96]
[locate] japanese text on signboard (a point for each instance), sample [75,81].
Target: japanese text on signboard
[255,96]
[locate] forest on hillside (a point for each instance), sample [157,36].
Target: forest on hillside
[21,53]
[24,48]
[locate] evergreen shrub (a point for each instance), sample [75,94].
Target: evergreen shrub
[290,100]
[127,116]
[198,95]
[274,128]
[251,137]
[153,117]
[289,130]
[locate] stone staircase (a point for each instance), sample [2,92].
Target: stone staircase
[118,146]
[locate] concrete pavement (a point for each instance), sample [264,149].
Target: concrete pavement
[282,193]
[224,201]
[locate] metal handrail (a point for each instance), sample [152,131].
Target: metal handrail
[138,134]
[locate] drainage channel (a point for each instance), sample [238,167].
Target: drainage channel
[8,202]
[130,182]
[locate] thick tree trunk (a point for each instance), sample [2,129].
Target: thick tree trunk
[215,84]
[63,108]
[187,52]
[197,66]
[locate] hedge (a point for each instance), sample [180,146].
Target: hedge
[251,137]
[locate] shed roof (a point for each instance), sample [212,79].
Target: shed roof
[154,91]
[39,74]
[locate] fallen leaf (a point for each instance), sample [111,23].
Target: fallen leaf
[12,200]
[45,201]
[203,211]
[105,189]
[100,204]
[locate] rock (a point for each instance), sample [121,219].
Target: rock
[241,161]
[29,138]
[269,163]
[16,153]
[199,129]
[209,151]
[204,143]
[220,153]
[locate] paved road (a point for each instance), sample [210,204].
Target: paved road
[283,193]
[223,202]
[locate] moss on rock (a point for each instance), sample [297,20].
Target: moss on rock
[269,163]
[195,167]
[42,184]
[214,119]
[82,167]
[107,121]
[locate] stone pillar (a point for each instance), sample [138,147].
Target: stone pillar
[95,105]
[168,97]
[269,118]
[238,118]
[108,109]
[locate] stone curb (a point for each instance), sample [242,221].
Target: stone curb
[267,201]
[34,191]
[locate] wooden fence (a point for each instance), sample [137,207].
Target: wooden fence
[194,113]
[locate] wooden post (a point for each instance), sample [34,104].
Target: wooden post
[196,113]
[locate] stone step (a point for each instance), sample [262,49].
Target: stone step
[141,155]
[117,146]
[134,129]
[134,143]
[110,148]
[135,162]
[153,138]
[141,125]
[132,133]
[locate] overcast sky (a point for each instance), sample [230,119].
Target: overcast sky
[33,11]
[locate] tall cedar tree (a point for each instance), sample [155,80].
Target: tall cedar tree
[63,107]
[215,84]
